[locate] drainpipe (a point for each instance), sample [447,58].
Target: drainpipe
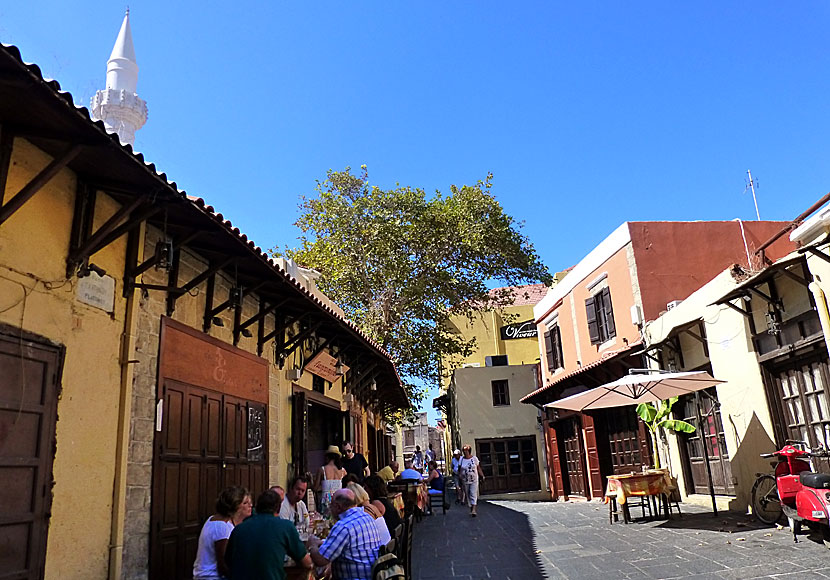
[821,306]
[122,446]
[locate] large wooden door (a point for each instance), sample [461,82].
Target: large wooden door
[208,441]
[571,449]
[712,436]
[29,386]
[628,445]
[509,464]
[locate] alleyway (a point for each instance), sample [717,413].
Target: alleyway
[530,541]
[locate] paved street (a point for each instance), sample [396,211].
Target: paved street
[530,541]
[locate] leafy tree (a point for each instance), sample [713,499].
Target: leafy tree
[398,262]
[656,418]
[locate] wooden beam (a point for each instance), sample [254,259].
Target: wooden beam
[41,179]
[263,312]
[133,222]
[285,350]
[206,274]
[152,260]
[284,325]
[818,253]
[161,287]
[78,255]
[737,309]
[794,277]
[769,299]
[173,281]
[207,319]
[133,239]
[6,143]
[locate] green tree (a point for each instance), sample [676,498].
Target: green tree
[398,261]
[656,418]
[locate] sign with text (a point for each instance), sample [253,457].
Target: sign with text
[525,329]
[325,366]
[97,291]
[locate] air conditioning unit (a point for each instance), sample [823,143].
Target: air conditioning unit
[672,304]
[293,374]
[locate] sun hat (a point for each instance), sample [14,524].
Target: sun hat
[457,452]
[333,449]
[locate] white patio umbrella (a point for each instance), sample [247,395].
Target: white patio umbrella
[634,389]
[638,388]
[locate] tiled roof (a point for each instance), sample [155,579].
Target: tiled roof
[195,202]
[528,295]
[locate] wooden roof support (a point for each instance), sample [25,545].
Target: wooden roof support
[321,348]
[360,375]
[284,350]
[264,311]
[6,143]
[737,309]
[38,181]
[769,299]
[283,326]
[152,260]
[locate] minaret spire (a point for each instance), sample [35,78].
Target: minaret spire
[118,105]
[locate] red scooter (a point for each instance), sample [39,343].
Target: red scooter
[801,494]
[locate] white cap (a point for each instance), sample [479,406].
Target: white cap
[457,452]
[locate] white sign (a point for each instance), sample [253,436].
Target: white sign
[97,291]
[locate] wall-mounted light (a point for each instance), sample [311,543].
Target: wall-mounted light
[246,333]
[216,321]
[235,297]
[87,268]
[164,254]
[338,368]
[373,386]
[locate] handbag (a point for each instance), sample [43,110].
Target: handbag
[388,567]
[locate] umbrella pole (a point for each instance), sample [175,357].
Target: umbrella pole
[703,438]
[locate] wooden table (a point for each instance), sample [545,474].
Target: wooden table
[654,484]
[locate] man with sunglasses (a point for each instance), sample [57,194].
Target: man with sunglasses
[354,462]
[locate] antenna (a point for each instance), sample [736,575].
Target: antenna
[751,186]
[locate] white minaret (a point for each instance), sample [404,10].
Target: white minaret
[118,105]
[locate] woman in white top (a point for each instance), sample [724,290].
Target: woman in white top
[330,477]
[362,498]
[232,506]
[470,472]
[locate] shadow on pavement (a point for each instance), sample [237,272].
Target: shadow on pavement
[706,520]
[499,543]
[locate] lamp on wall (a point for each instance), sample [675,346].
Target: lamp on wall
[164,254]
[373,386]
[338,368]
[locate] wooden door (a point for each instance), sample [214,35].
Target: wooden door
[571,449]
[208,441]
[555,478]
[299,432]
[509,464]
[627,444]
[29,387]
[712,436]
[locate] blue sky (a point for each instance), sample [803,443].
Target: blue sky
[587,113]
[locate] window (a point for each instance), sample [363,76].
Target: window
[600,317]
[553,346]
[499,360]
[318,384]
[409,438]
[501,394]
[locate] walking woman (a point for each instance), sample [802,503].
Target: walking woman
[232,506]
[471,473]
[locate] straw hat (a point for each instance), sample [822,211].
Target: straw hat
[333,449]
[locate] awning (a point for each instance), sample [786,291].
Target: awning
[779,267]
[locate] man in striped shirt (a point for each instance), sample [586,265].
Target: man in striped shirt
[352,545]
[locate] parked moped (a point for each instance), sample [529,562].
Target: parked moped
[802,494]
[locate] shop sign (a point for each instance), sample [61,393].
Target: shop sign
[325,366]
[525,329]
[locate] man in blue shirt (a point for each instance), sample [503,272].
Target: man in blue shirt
[258,546]
[409,472]
[353,543]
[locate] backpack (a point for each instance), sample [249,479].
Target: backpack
[387,567]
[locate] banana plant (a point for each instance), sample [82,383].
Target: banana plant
[659,417]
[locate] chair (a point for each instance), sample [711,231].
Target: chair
[673,497]
[435,496]
[405,549]
[388,548]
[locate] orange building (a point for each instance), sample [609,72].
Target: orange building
[590,328]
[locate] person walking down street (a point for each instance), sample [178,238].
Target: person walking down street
[258,546]
[471,475]
[353,543]
[418,459]
[354,462]
[232,506]
[430,454]
[329,478]
[459,487]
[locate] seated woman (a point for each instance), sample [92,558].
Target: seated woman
[363,500]
[435,479]
[379,496]
[232,506]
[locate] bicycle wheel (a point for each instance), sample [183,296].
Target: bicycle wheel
[765,503]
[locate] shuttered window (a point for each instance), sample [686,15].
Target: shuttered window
[501,394]
[553,346]
[600,317]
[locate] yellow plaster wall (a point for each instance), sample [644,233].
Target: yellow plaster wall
[33,248]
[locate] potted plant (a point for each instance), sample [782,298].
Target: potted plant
[657,417]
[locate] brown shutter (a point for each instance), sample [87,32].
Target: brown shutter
[594,473]
[557,346]
[549,348]
[554,465]
[299,433]
[609,313]
[593,327]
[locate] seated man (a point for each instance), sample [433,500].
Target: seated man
[388,473]
[258,546]
[409,472]
[353,543]
[293,507]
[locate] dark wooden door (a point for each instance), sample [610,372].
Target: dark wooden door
[627,442]
[509,464]
[29,385]
[571,450]
[713,437]
[208,441]
[299,432]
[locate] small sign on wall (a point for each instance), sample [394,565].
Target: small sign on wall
[97,291]
[525,329]
[325,366]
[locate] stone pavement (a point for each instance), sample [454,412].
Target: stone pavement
[513,540]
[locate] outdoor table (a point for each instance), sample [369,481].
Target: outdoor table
[654,484]
[397,502]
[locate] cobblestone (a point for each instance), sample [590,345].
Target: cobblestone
[554,540]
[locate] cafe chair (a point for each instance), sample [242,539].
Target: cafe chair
[673,498]
[436,496]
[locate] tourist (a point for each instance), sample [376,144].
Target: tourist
[278,489]
[379,494]
[471,473]
[459,487]
[330,477]
[435,479]
[232,506]
[293,508]
[389,472]
[258,546]
[353,543]
[376,511]
[410,472]
[418,459]
[354,462]
[430,454]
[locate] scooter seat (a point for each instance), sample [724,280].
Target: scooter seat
[815,480]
